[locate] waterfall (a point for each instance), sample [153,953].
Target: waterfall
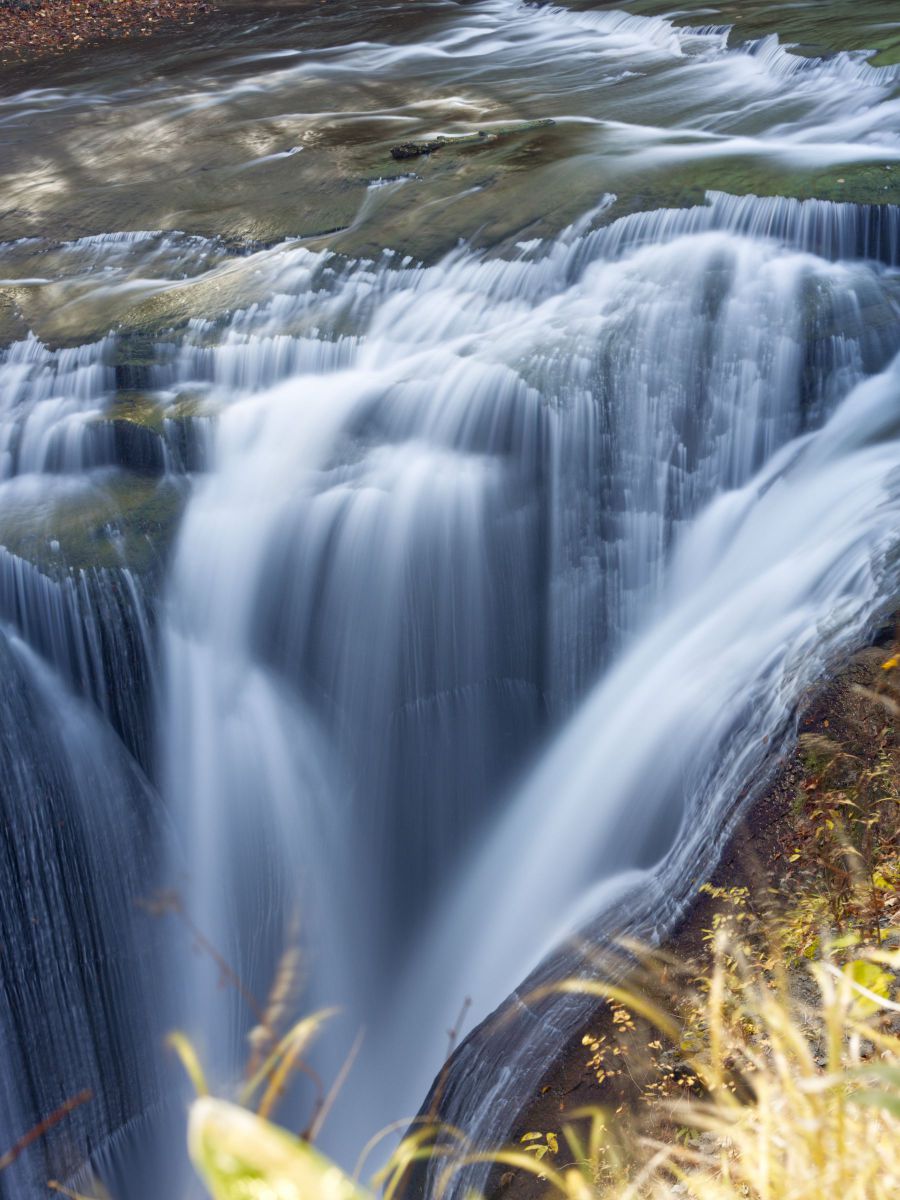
[83,827]
[48,396]
[80,833]
[439,591]
[436,514]
[770,584]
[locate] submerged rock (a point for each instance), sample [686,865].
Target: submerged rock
[480,137]
[108,520]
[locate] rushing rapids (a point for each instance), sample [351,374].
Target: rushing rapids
[441,602]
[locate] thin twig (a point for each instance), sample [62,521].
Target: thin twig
[452,1035]
[171,902]
[318,1120]
[42,1127]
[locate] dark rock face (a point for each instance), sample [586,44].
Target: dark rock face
[137,447]
[479,137]
[414,149]
[180,445]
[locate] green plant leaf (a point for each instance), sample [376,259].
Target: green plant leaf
[240,1156]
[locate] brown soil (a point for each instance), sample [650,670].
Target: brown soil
[757,858]
[32,29]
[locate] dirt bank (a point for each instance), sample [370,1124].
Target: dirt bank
[34,29]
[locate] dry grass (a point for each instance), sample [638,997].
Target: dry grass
[800,1079]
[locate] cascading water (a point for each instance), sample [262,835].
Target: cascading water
[766,589]
[499,578]
[80,836]
[431,523]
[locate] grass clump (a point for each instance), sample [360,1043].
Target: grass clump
[794,1095]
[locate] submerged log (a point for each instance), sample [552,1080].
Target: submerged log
[480,137]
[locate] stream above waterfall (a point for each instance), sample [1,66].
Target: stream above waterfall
[418,563]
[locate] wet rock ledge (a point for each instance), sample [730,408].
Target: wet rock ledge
[856,713]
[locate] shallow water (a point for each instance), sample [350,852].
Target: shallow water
[415,555]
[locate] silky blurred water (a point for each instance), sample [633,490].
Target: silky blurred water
[424,563]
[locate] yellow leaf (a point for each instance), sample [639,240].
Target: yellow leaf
[537,1150]
[183,1047]
[868,975]
[891,664]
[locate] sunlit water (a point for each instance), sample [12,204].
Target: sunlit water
[438,589]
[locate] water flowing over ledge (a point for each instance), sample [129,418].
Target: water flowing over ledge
[767,589]
[584,418]
[94,628]
[456,601]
